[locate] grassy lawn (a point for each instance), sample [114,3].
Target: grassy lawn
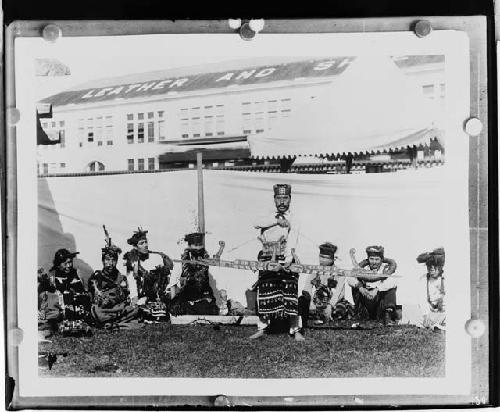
[165,350]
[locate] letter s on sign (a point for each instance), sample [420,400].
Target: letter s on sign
[324,65]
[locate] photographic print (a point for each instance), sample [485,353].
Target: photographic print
[207,208]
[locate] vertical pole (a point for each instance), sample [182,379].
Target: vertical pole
[201,205]
[414,157]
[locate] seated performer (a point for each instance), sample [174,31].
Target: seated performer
[277,290]
[72,295]
[192,294]
[432,304]
[50,312]
[109,291]
[147,275]
[375,298]
[329,300]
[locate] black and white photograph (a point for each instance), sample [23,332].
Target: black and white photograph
[286,215]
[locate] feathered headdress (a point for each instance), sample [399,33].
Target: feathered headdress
[109,249]
[138,235]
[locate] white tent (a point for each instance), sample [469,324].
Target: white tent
[373,106]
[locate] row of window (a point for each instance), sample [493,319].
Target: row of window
[98,130]
[195,122]
[141,164]
[46,168]
[259,116]
[140,129]
[95,166]
[52,125]
[202,121]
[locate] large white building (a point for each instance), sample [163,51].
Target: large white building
[117,124]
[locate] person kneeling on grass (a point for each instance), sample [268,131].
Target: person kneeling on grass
[50,311]
[329,301]
[433,304]
[109,291]
[73,298]
[190,290]
[375,298]
[148,272]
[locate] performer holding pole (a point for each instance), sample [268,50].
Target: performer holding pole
[277,290]
[190,286]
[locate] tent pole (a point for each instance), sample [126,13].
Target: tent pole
[201,205]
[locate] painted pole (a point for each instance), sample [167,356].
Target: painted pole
[201,205]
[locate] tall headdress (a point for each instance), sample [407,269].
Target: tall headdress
[109,249]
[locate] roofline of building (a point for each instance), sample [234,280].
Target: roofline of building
[230,89]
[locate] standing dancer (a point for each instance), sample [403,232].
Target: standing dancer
[277,290]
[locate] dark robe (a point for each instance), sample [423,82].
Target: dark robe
[277,292]
[109,291]
[196,296]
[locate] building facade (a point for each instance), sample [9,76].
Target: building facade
[121,127]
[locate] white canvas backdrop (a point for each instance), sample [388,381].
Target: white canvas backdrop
[403,211]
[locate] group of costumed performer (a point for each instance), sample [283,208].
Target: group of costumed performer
[114,297]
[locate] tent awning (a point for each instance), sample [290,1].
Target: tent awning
[208,155]
[215,148]
[373,107]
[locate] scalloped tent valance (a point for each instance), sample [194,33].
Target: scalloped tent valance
[372,107]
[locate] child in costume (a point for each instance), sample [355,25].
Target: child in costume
[329,291]
[432,305]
